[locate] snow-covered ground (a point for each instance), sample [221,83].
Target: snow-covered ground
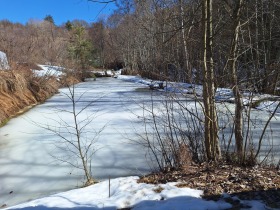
[269,106]
[222,94]
[126,193]
[47,70]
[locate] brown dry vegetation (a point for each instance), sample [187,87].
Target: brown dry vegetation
[257,182]
[20,89]
[17,93]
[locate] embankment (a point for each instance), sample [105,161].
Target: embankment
[20,91]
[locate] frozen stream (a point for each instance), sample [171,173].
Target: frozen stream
[28,153]
[28,169]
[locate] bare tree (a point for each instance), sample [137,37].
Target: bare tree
[76,140]
[211,125]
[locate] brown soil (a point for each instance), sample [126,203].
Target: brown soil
[20,90]
[258,183]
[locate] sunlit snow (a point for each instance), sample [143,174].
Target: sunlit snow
[47,70]
[127,193]
[3,61]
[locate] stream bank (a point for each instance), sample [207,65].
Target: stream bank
[21,90]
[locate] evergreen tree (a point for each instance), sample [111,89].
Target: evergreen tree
[69,25]
[80,49]
[49,18]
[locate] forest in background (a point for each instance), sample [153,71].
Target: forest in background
[161,39]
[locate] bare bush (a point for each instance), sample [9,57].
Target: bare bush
[76,139]
[173,131]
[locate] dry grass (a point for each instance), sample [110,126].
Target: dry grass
[20,88]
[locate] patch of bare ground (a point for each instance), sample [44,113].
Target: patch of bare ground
[247,183]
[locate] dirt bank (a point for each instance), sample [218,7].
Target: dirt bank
[20,90]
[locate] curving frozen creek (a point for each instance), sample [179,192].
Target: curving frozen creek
[28,153]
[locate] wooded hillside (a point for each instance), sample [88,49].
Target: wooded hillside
[160,39]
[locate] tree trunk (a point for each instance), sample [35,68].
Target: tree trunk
[235,86]
[186,54]
[211,125]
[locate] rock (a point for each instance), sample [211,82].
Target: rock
[3,61]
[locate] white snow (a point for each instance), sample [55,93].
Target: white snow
[48,70]
[104,73]
[270,106]
[3,61]
[127,193]
[222,94]
[136,79]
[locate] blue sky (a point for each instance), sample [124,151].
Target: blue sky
[61,10]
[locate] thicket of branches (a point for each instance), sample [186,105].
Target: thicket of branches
[165,37]
[233,44]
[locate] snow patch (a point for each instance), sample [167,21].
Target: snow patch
[48,71]
[3,61]
[127,193]
[222,94]
[269,106]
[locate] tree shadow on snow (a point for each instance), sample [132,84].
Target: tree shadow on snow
[175,203]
